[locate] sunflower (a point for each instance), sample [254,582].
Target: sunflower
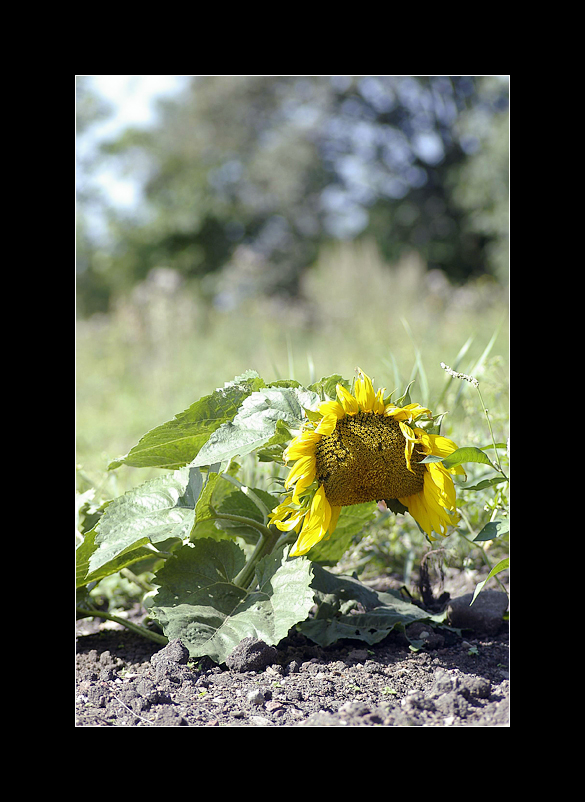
[360,448]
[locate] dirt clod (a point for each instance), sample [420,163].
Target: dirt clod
[251,655]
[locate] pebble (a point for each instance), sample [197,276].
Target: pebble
[256,697]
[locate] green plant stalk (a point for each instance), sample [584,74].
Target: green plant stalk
[241,519]
[498,465]
[136,628]
[142,584]
[265,545]
[249,493]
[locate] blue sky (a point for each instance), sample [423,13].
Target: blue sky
[132,98]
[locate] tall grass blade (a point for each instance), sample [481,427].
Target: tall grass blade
[418,368]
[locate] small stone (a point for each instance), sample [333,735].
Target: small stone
[256,697]
[260,721]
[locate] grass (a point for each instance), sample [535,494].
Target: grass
[165,346]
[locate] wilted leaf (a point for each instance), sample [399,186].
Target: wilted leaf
[348,609]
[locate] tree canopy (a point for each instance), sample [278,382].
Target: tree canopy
[278,165]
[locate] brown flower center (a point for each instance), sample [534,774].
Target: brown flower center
[363,460]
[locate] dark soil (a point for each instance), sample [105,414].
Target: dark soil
[124,680]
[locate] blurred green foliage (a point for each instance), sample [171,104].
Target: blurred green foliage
[246,178]
[164,346]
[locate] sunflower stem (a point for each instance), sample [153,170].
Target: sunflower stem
[265,545]
[241,519]
[249,493]
[142,583]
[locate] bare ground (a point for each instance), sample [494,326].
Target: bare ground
[123,680]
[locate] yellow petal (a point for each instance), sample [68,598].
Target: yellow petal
[409,412]
[415,410]
[418,510]
[291,523]
[364,392]
[392,411]
[378,407]
[332,408]
[409,442]
[433,508]
[347,401]
[303,469]
[282,510]
[444,484]
[301,446]
[441,446]
[334,518]
[327,424]
[315,526]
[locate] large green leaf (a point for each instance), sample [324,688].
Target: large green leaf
[348,609]
[199,602]
[177,442]
[255,424]
[137,550]
[160,512]
[245,506]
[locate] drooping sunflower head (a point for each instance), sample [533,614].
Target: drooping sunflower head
[357,449]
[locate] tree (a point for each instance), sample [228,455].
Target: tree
[281,164]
